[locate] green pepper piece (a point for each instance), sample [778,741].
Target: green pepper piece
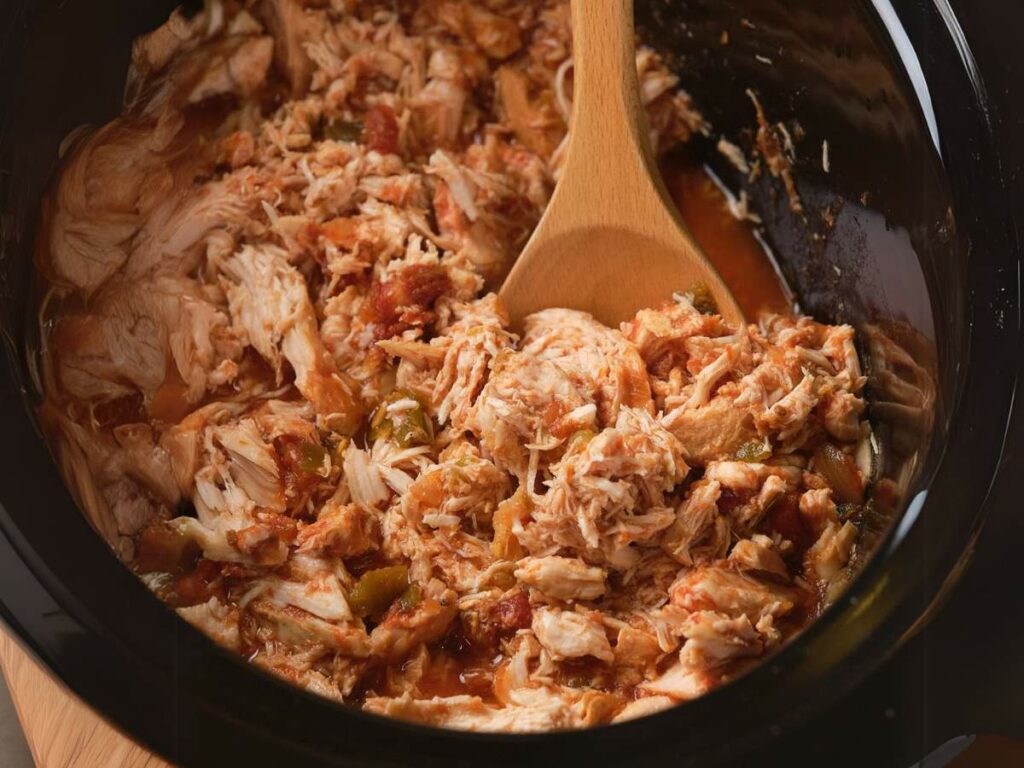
[754,451]
[413,427]
[849,511]
[343,130]
[412,597]
[376,590]
[313,458]
[702,300]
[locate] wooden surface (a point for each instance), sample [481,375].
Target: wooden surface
[60,730]
[610,241]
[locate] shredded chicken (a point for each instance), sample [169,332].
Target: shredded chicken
[282,387]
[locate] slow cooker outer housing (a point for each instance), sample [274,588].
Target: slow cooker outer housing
[97,628]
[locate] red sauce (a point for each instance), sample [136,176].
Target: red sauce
[729,243]
[785,519]
[397,303]
[380,130]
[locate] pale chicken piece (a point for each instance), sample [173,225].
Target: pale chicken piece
[237,490]
[818,509]
[698,394]
[599,361]
[832,551]
[699,534]
[680,682]
[121,197]
[135,330]
[294,27]
[269,301]
[439,108]
[252,463]
[472,342]
[749,477]
[731,594]
[647,705]
[214,619]
[295,669]
[122,480]
[528,406]
[292,418]
[373,475]
[609,493]
[842,415]
[240,68]
[636,649]
[403,630]
[340,530]
[539,710]
[563,578]
[713,639]
[759,556]
[788,417]
[571,635]
[154,50]
[94,216]
[841,351]
[660,335]
[184,441]
[470,205]
[312,587]
[536,122]
[108,356]
[442,520]
[496,35]
[463,559]
[462,491]
[276,624]
[713,432]
[180,223]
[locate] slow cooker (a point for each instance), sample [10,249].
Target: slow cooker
[908,168]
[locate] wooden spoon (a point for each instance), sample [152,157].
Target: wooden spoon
[610,241]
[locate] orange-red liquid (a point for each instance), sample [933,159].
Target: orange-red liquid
[729,243]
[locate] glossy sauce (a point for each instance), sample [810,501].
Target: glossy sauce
[730,244]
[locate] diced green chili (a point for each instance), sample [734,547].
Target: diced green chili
[702,300]
[343,130]
[376,590]
[411,427]
[313,458]
[412,597]
[754,451]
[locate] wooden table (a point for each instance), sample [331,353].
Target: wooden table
[61,731]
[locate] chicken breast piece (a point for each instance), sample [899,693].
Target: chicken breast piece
[571,635]
[268,300]
[602,365]
[527,406]
[563,578]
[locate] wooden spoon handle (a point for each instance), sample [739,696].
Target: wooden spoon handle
[609,142]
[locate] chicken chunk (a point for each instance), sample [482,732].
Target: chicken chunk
[402,630]
[602,366]
[569,635]
[563,578]
[528,406]
[269,302]
[609,493]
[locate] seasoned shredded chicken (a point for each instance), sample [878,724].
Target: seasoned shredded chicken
[282,388]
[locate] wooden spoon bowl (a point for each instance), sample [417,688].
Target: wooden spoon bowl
[610,241]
